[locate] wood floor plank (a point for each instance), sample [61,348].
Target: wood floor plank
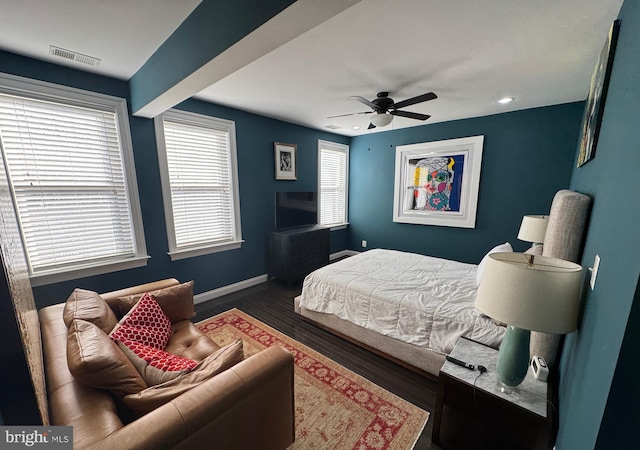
[272,303]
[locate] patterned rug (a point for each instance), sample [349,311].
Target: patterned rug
[334,407]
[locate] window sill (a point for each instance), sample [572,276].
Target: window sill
[57,276]
[339,226]
[191,252]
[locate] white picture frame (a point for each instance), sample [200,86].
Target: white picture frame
[285,161]
[436,183]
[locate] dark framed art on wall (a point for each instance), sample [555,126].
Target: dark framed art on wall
[597,95]
[285,161]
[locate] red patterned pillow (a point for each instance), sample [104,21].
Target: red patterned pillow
[145,324]
[143,335]
[156,366]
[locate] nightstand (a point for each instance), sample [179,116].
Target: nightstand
[485,417]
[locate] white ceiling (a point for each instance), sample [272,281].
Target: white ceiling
[469,52]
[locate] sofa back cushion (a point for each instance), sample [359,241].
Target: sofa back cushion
[95,360]
[175,301]
[89,306]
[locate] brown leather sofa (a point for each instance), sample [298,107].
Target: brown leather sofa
[249,405]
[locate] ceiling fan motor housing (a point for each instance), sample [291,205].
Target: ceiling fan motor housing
[382,102]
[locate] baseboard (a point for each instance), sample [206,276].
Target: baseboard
[244,284]
[342,254]
[229,289]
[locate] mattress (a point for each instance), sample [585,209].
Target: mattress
[421,300]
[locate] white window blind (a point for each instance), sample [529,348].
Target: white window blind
[69,184]
[199,182]
[333,164]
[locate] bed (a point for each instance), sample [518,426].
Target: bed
[412,308]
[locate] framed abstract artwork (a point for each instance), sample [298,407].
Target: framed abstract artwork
[436,183]
[597,95]
[285,161]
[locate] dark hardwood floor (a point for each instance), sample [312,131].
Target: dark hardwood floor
[272,303]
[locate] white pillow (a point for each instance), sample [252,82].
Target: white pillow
[535,250]
[502,248]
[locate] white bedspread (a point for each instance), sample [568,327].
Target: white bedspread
[418,299]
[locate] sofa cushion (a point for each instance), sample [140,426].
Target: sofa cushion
[89,306]
[175,301]
[95,360]
[189,342]
[144,324]
[151,398]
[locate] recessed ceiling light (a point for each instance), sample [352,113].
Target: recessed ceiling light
[356,127]
[506,100]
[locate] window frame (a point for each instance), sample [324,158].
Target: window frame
[334,146]
[65,95]
[195,119]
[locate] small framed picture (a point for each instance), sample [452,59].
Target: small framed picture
[285,161]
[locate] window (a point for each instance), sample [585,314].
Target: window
[333,170]
[199,176]
[68,158]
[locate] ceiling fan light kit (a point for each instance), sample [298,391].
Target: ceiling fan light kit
[381,119]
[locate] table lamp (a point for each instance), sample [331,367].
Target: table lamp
[528,295]
[533,229]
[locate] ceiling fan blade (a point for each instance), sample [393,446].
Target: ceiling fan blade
[371,126]
[414,100]
[410,115]
[351,114]
[364,101]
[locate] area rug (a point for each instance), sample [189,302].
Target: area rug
[334,407]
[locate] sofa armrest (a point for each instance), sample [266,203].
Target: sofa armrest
[247,406]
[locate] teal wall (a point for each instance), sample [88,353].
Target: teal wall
[599,389]
[527,157]
[621,419]
[255,137]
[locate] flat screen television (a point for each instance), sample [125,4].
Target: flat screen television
[296,209]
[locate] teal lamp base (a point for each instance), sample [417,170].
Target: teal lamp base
[513,357]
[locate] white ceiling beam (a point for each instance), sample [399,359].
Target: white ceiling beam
[300,17]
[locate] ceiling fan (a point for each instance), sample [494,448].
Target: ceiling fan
[385,108]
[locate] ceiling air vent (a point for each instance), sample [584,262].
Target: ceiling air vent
[333,127]
[73,56]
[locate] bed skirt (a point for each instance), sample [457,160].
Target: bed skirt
[421,359]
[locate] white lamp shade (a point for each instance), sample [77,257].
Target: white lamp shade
[533,229]
[539,296]
[381,119]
